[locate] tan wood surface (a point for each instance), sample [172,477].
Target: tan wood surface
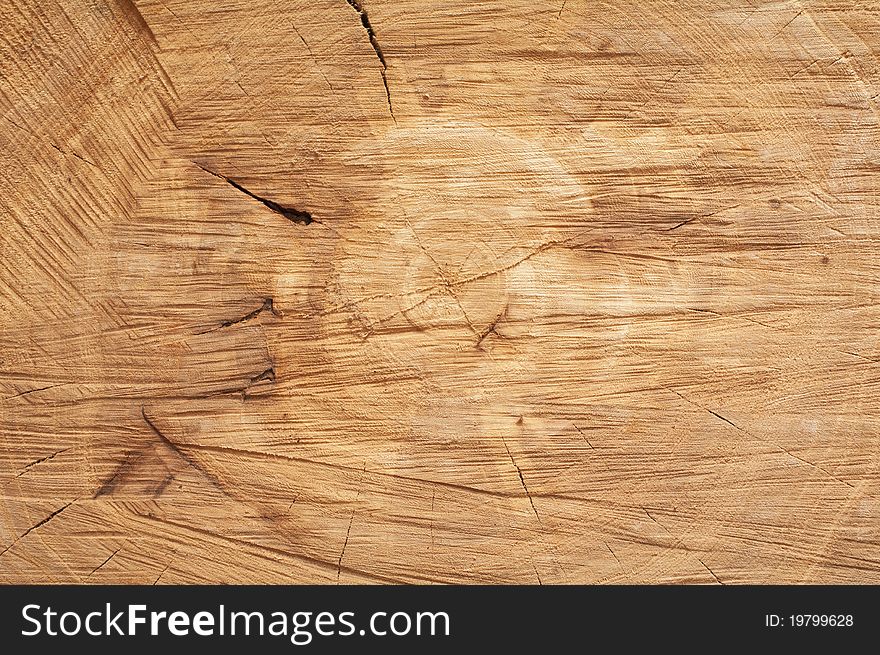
[450,291]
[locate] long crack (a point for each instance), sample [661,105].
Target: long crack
[371,34]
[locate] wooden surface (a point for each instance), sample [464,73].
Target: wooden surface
[439,291]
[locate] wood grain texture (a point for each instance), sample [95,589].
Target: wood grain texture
[337,291]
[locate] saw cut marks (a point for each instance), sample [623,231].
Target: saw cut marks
[360,291]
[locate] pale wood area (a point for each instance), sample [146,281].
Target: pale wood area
[439,291]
